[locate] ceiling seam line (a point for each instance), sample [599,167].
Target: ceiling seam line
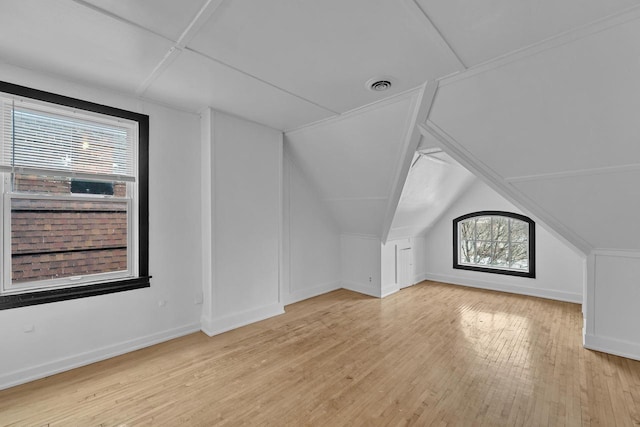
[346,199]
[549,43]
[439,34]
[167,60]
[576,172]
[121,19]
[259,79]
[359,110]
[495,180]
[203,15]
[420,112]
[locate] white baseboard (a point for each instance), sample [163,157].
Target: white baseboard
[50,368]
[361,288]
[514,289]
[389,289]
[304,294]
[226,323]
[420,278]
[614,346]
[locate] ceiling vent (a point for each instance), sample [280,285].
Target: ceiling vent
[379,84]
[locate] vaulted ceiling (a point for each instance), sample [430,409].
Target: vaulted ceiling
[353,160]
[557,130]
[433,183]
[284,63]
[537,96]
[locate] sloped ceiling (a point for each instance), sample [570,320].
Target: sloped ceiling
[559,130]
[538,95]
[352,161]
[283,63]
[481,31]
[434,182]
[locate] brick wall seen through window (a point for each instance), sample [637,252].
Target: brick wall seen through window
[63,238]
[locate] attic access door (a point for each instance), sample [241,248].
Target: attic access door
[405,267]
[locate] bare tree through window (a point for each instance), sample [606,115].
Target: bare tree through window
[494,241]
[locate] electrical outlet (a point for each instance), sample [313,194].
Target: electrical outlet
[162,303]
[369,279]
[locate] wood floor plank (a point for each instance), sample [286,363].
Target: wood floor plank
[430,355]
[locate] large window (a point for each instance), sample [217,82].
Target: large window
[495,242]
[74,200]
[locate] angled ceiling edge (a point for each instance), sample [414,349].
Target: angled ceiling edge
[420,114]
[505,189]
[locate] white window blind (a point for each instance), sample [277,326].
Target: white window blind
[36,140]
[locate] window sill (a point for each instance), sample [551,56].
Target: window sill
[54,295]
[529,274]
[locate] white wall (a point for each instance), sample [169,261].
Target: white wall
[243,205]
[360,264]
[420,258]
[76,332]
[612,315]
[390,263]
[311,239]
[559,269]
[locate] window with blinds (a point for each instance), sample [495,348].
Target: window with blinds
[45,140]
[74,208]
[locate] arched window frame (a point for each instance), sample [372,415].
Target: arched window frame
[531,273]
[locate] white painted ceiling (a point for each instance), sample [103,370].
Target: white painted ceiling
[283,63]
[559,130]
[540,96]
[483,30]
[434,182]
[352,161]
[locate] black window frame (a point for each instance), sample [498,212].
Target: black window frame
[108,286]
[483,269]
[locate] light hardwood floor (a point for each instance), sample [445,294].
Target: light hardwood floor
[432,354]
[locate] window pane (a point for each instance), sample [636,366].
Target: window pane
[483,253]
[466,230]
[519,231]
[500,255]
[467,252]
[52,239]
[65,142]
[500,229]
[490,241]
[91,187]
[23,183]
[68,218]
[519,256]
[483,228]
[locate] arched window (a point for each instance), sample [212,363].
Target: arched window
[495,242]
